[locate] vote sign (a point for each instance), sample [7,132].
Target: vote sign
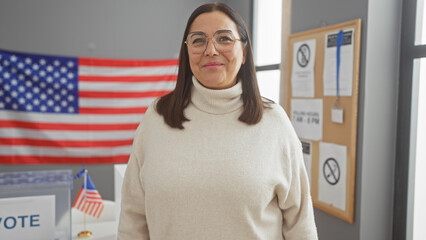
[27,217]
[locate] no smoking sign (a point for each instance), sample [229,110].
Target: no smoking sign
[331,171]
[303,55]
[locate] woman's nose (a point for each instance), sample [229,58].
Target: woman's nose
[210,48]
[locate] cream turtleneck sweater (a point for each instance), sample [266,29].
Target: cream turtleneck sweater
[217,179]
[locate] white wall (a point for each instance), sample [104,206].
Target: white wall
[380,115]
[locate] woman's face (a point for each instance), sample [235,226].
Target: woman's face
[214,69]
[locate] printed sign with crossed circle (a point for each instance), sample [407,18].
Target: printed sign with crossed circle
[303,55]
[331,171]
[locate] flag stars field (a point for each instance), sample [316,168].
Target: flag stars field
[13,58]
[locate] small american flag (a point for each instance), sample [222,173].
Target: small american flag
[75,110]
[88,199]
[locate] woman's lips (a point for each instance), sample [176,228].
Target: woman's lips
[212,65]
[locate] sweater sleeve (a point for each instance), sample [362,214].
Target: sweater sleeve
[296,202]
[133,223]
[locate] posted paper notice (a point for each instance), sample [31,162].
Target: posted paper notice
[307,157]
[346,64]
[307,118]
[332,174]
[302,74]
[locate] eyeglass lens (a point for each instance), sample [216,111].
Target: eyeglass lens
[223,41]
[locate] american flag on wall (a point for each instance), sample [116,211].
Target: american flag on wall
[64,110]
[88,199]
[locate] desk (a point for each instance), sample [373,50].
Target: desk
[100,230]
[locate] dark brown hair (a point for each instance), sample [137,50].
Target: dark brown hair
[172,105]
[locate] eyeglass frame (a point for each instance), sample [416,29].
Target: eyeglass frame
[208,38]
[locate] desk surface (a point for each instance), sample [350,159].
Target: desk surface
[100,230]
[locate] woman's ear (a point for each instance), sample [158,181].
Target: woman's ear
[244,54]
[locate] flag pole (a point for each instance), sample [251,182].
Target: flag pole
[85,233]
[85,199]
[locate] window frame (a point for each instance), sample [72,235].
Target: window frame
[409,52]
[268,67]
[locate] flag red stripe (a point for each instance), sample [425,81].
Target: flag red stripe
[77,198]
[82,204]
[67,126]
[96,209]
[94,200]
[90,94]
[93,197]
[126,63]
[79,203]
[90,110]
[80,199]
[100,211]
[64,143]
[92,207]
[86,207]
[160,78]
[93,194]
[14,159]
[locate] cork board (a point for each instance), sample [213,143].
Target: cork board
[327,177]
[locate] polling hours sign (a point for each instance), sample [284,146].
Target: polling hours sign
[306,117]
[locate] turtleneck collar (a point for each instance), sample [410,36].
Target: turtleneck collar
[216,101]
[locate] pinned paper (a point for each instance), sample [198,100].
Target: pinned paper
[346,64]
[307,157]
[337,115]
[306,117]
[302,73]
[332,175]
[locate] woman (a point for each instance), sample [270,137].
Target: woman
[212,159]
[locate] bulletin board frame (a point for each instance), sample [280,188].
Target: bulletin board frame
[343,134]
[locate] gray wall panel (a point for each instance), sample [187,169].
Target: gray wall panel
[129,29]
[376,110]
[308,15]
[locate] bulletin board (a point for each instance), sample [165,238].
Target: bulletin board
[329,141]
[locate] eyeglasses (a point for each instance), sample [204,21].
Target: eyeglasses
[223,41]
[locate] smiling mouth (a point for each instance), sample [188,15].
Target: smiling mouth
[213,65]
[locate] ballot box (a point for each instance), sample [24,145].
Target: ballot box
[36,205]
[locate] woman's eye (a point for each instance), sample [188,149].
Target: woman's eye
[224,39]
[198,41]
